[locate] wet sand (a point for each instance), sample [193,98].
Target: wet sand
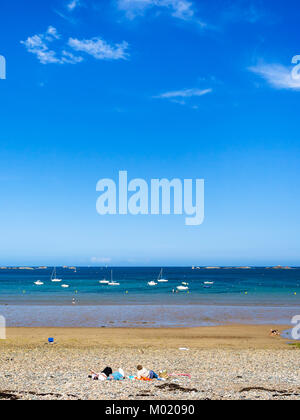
[136,316]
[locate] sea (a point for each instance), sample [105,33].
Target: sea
[215,296]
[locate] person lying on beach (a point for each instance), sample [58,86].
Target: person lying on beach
[102,376]
[117,376]
[143,373]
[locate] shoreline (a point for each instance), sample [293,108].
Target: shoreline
[134,316]
[80,304]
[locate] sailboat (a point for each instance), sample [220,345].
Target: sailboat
[54,279]
[104,281]
[182,288]
[152,283]
[38,283]
[160,278]
[112,283]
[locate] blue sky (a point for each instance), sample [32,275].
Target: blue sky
[160,88]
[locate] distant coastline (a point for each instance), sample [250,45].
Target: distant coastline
[277,267]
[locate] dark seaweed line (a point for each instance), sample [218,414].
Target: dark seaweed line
[13,395]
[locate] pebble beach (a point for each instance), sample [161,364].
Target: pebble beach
[226,362]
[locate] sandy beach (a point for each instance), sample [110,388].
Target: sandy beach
[225,362]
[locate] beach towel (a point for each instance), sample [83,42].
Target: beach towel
[180,374]
[98,376]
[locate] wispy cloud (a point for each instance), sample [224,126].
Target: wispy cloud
[277,75]
[101,260]
[253,14]
[70,58]
[66,16]
[243,11]
[100,49]
[66,53]
[184,93]
[69,7]
[73,4]
[51,33]
[182,97]
[181,9]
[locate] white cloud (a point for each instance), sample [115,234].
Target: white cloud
[183,97]
[100,49]
[52,33]
[101,260]
[38,45]
[68,57]
[181,9]
[277,75]
[73,4]
[184,93]
[96,47]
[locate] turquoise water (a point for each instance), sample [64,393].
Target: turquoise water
[259,286]
[258,295]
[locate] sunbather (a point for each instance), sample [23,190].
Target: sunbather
[143,373]
[117,376]
[102,376]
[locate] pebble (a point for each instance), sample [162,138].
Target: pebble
[62,373]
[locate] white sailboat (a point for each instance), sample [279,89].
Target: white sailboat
[209,282]
[182,288]
[38,283]
[65,286]
[104,281]
[160,278]
[54,279]
[112,283]
[152,283]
